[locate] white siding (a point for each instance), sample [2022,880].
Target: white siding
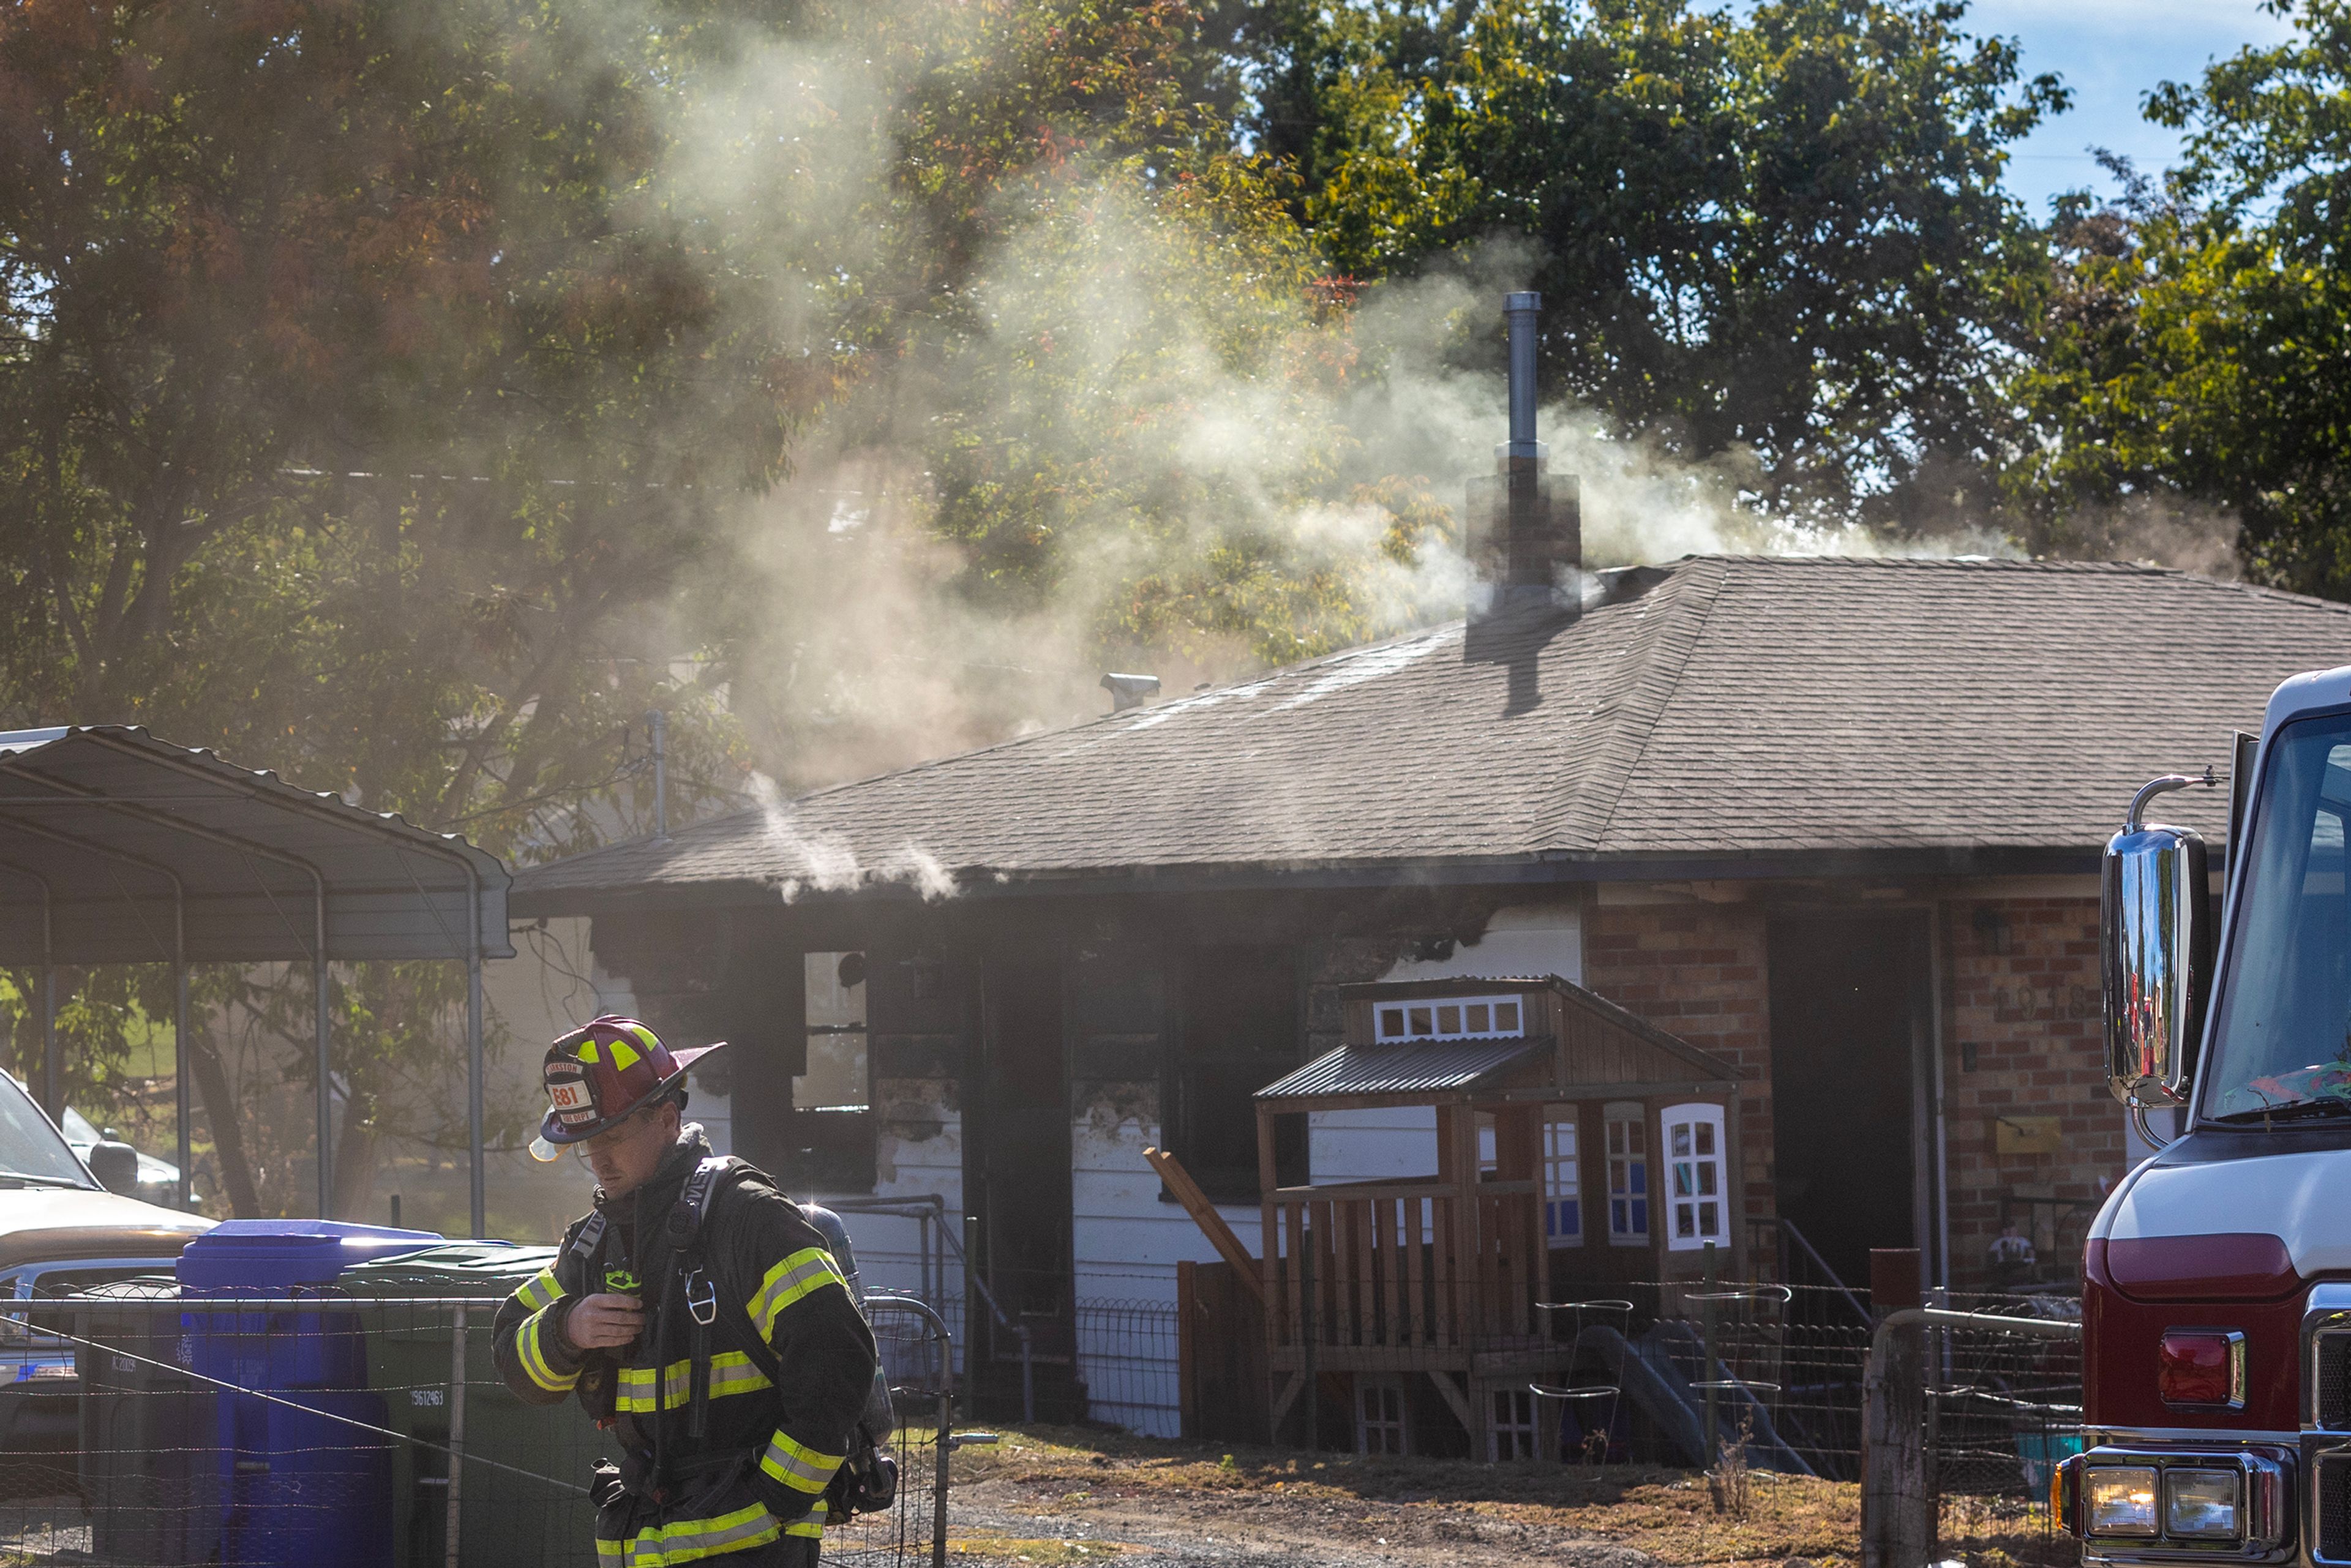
[1127,1244]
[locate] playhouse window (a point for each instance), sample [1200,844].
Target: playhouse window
[1458,1018]
[1563,1191]
[1512,1436]
[1629,1176]
[1380,1424]
[1701,1198]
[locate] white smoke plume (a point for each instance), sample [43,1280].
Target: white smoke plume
[1197,475]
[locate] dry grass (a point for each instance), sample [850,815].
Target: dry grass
[982,1547]
[1669,1514]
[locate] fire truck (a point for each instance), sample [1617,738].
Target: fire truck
[2216,1302]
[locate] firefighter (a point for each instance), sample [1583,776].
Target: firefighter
[697,1316]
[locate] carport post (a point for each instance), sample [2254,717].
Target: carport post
[473,1052]
[52,1069]
[180,1035]
[325,1107]
[474,1092]
[49,989]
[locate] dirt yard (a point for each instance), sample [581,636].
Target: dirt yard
[1057,1496]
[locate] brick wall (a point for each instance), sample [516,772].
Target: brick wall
[2020,1032]
[1698,971]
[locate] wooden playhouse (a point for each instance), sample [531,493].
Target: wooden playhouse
[1546,1145]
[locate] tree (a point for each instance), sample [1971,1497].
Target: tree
[2193,348]
[1784,236]
[353,420]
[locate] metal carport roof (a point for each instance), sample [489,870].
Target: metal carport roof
[119,847]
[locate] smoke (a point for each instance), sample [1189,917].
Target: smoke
[832,865]
[1126,435]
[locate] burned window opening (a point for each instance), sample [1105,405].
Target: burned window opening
[830,1149]
[1241,1032]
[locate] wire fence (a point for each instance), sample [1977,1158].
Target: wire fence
[373,1432]
[1999,1407]
[1130,1360]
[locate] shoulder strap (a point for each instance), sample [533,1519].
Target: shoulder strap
[583,1245]
[694,1200]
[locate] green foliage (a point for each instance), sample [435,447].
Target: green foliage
[2194,342]
[1785,235]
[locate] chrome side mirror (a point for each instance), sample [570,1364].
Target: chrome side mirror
[2156,922]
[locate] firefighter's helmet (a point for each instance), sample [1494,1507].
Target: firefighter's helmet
[599,1075]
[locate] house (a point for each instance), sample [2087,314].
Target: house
[1833,821]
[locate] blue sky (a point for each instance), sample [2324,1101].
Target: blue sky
[2110,52]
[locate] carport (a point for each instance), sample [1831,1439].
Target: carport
[119,847]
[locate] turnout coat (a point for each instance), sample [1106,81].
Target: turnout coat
[791,1363]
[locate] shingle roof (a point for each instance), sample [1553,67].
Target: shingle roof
[1721,709]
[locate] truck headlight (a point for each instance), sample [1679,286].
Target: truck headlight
[2200,1505]
[2120,1502]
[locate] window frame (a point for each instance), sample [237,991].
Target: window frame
[1639,1195]
[1701,1116]
[1558,1194]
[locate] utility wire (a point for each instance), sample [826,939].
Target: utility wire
[116,1350]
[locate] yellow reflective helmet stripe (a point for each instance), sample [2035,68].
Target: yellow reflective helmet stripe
[533,1357]
[646,1038]
[797,1465]
[810,1269]
[623,1055]
[588,1051]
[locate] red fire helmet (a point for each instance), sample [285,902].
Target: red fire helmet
[599,1075]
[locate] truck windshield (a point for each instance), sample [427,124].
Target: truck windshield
[2281,1036]
[30,1149]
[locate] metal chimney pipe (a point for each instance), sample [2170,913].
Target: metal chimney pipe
[657,729]
[1521,310]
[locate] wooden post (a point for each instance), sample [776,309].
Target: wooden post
[1204,1215]
[1188,1350]
[1898,1522]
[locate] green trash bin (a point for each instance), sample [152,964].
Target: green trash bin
[149,1459]
[505,1520]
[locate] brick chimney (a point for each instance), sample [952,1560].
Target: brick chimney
[1525,533]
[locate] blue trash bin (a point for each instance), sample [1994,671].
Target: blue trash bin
[299,1486]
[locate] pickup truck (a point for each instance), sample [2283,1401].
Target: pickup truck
[60,1231]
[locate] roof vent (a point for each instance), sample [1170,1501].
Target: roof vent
[1129,691]
[1526,531]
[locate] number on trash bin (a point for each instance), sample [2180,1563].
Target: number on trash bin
[425,1396]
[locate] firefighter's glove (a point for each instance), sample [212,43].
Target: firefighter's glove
[604,1484]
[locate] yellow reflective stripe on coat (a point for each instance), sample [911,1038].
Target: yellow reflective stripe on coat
[541,1292]
[533,1357]
[805,1527]
[810,1269]
[689,1540]
[731,1372]
[797,1465]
